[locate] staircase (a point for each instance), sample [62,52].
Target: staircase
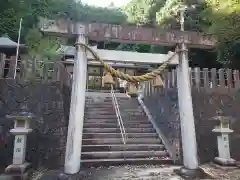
[102,140]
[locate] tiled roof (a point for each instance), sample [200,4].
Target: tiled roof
[6,42]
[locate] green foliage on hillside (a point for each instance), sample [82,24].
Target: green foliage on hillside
[11,11]
[220,18]
[224,20]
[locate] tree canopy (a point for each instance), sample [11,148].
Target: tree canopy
[220,18]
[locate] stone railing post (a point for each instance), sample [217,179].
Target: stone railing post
[76,116]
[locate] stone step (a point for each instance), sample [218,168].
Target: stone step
[107,104]
[113,110]
[93,112]
[119,101]
[130,119]
[124,117]
[117,130]
[120,141]
[124,161]
[109,100]
[113,120]
[99,105]
[116,125]
[133,114]
[101,116]
[114,117]
[123,147]
[118,135]
[103,106]
[130,110]
[130,105]
[123,154]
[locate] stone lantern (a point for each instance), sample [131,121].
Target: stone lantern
[20,131]
[223,130]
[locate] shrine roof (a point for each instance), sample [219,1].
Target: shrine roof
[121,56]
[7,43]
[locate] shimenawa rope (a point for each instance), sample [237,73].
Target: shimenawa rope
[121,75]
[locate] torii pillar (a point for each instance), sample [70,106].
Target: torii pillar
[188,134]
[76,116]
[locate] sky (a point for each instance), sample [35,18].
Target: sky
[105,2]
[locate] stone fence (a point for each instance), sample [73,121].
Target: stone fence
[208,79]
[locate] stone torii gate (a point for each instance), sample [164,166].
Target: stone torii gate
[116,33]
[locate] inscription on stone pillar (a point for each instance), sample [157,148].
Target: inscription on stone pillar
[19,149]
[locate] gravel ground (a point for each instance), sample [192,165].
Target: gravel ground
[143,172]
[222,173]
[134,173]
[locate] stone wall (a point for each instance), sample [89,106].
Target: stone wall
[163,105]
[47,101]
[164,108]
[50,103]
[207,105]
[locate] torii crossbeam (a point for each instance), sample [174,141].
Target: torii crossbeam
[128,34]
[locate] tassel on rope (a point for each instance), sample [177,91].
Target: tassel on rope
[108,79]
[158,82]
[132,89]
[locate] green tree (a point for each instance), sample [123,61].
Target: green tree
[143,12]
[43,46]
[42,51]
[220,18]
[224,24]
[12,11]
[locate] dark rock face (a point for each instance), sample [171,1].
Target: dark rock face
[164,108]
[46,144]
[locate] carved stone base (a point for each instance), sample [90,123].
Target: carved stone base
[20,171]
[225,162]
[190,173]
[63,176]
[24,176]
[14,169]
